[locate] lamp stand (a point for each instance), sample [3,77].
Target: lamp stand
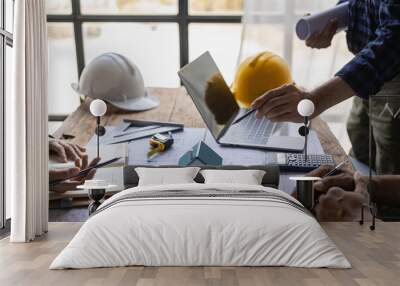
[98,136]
[305,138]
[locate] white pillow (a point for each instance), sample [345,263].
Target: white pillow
[166,176]
[247,177]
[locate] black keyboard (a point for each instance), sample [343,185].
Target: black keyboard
[296,162]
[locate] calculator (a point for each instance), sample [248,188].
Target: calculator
[292,162]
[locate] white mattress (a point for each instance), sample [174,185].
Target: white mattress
[201,231]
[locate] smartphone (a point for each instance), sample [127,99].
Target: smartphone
[85,171]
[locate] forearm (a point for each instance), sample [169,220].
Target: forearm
[329,94]
[386,189]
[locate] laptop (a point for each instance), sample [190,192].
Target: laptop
[219,109]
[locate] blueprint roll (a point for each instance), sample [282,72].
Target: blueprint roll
[312,24]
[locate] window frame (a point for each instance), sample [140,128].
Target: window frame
[183,18]
[6,39]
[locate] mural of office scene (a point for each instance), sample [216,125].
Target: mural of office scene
[199,142]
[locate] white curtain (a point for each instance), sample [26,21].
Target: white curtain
[26,117]
[270,25]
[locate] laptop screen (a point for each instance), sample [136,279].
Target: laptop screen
[210,93]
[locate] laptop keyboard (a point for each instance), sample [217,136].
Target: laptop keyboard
[252,130]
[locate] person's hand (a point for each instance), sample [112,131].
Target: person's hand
[323,39]
[343,180]
[71,184]
[63,151]
[339,205]
[320,171]
[280,104]
[341,197]
[361,183]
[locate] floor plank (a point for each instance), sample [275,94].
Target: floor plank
[375,257]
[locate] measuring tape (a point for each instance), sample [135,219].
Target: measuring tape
[159,143]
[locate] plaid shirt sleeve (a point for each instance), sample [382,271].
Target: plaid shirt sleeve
[379,61]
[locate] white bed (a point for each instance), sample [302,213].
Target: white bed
[201,225]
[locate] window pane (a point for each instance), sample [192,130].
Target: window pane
[263,37]
[311,6]
[8,82]
[216,6]
[129,6]
[153,47]
[223,42]
[62,68]
[313,67]
[59,6]
[267,7]
[9,15]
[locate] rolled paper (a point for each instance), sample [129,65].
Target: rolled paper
[312,24]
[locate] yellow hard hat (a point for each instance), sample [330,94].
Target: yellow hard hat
[259,74]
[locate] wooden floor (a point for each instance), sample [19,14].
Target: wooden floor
[375,257]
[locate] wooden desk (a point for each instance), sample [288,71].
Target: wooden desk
[176,106]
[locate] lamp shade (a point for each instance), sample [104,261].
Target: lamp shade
[98,108]
[306,108]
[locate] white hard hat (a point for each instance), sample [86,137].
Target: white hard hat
[113,78]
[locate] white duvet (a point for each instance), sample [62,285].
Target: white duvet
[202,231]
